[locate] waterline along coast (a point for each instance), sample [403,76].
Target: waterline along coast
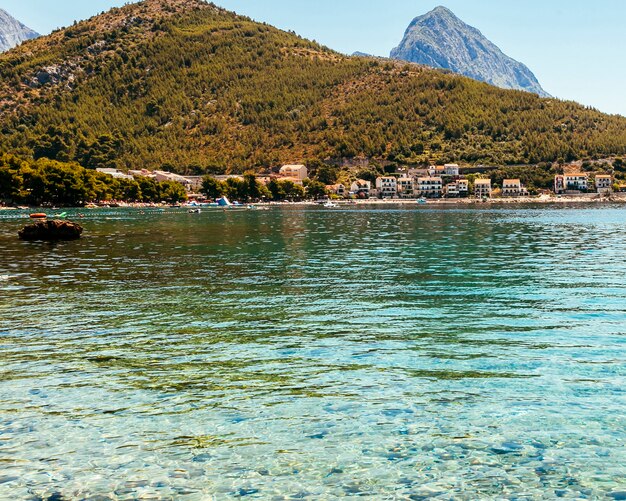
[602,181]
[236,263]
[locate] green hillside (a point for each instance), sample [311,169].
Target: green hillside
[185,84]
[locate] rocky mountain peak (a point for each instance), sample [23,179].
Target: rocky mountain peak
[12,32]
[441,40]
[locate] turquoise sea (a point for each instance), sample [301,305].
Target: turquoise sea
[307,353]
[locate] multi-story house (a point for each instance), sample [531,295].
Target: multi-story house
[604,183]
[482,188]
[463,187]
[451,170]
[406,187]
[578,181]
[457,189]
[513,188]
[387,187]
[430,187]
[361,188]
[298,172]
[559,184]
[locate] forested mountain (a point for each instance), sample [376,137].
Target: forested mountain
[441,40]
[185,84]
[12,32]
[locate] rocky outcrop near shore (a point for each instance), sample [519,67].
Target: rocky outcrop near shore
[53,230]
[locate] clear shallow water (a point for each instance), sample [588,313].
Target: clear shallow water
[316,354]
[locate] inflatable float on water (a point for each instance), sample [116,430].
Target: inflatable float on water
[38,215]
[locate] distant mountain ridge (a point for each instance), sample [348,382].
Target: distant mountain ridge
[12,32]
[441,40]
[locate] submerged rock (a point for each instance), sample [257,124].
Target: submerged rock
[51,231]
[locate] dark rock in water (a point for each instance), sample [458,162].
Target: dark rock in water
[53,230]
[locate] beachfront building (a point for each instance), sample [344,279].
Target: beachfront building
[406,188]
[430,187]
[336,189]
[578,181]
[458,189]
[451,190]
[482,188]
[451,170]
[387,187]
[604,183]
[463,187]
[299,172]
[513,188]
[559,184]
[361,188]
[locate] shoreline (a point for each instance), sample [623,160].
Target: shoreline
[456,202]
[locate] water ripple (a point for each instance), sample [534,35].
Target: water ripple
[405,353]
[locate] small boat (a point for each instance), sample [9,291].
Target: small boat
[38,215]
[422,201]
[330,205]
[195,211]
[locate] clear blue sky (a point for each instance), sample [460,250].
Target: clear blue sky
[577,48]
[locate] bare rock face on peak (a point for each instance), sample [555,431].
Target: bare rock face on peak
[441,40]
[12,32]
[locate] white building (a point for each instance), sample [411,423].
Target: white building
[604,183]
[513,188]
[361,188]
[387,187]
[578,181]
[299,172]
[451,170]
[406,188]
[430,187]
[463,187]
[482,188]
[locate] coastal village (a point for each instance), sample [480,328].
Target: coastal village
[435,182]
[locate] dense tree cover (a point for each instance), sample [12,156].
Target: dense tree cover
[249,189]
[183,83]
[45,181]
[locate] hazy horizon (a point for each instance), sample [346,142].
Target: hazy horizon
[573,47]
